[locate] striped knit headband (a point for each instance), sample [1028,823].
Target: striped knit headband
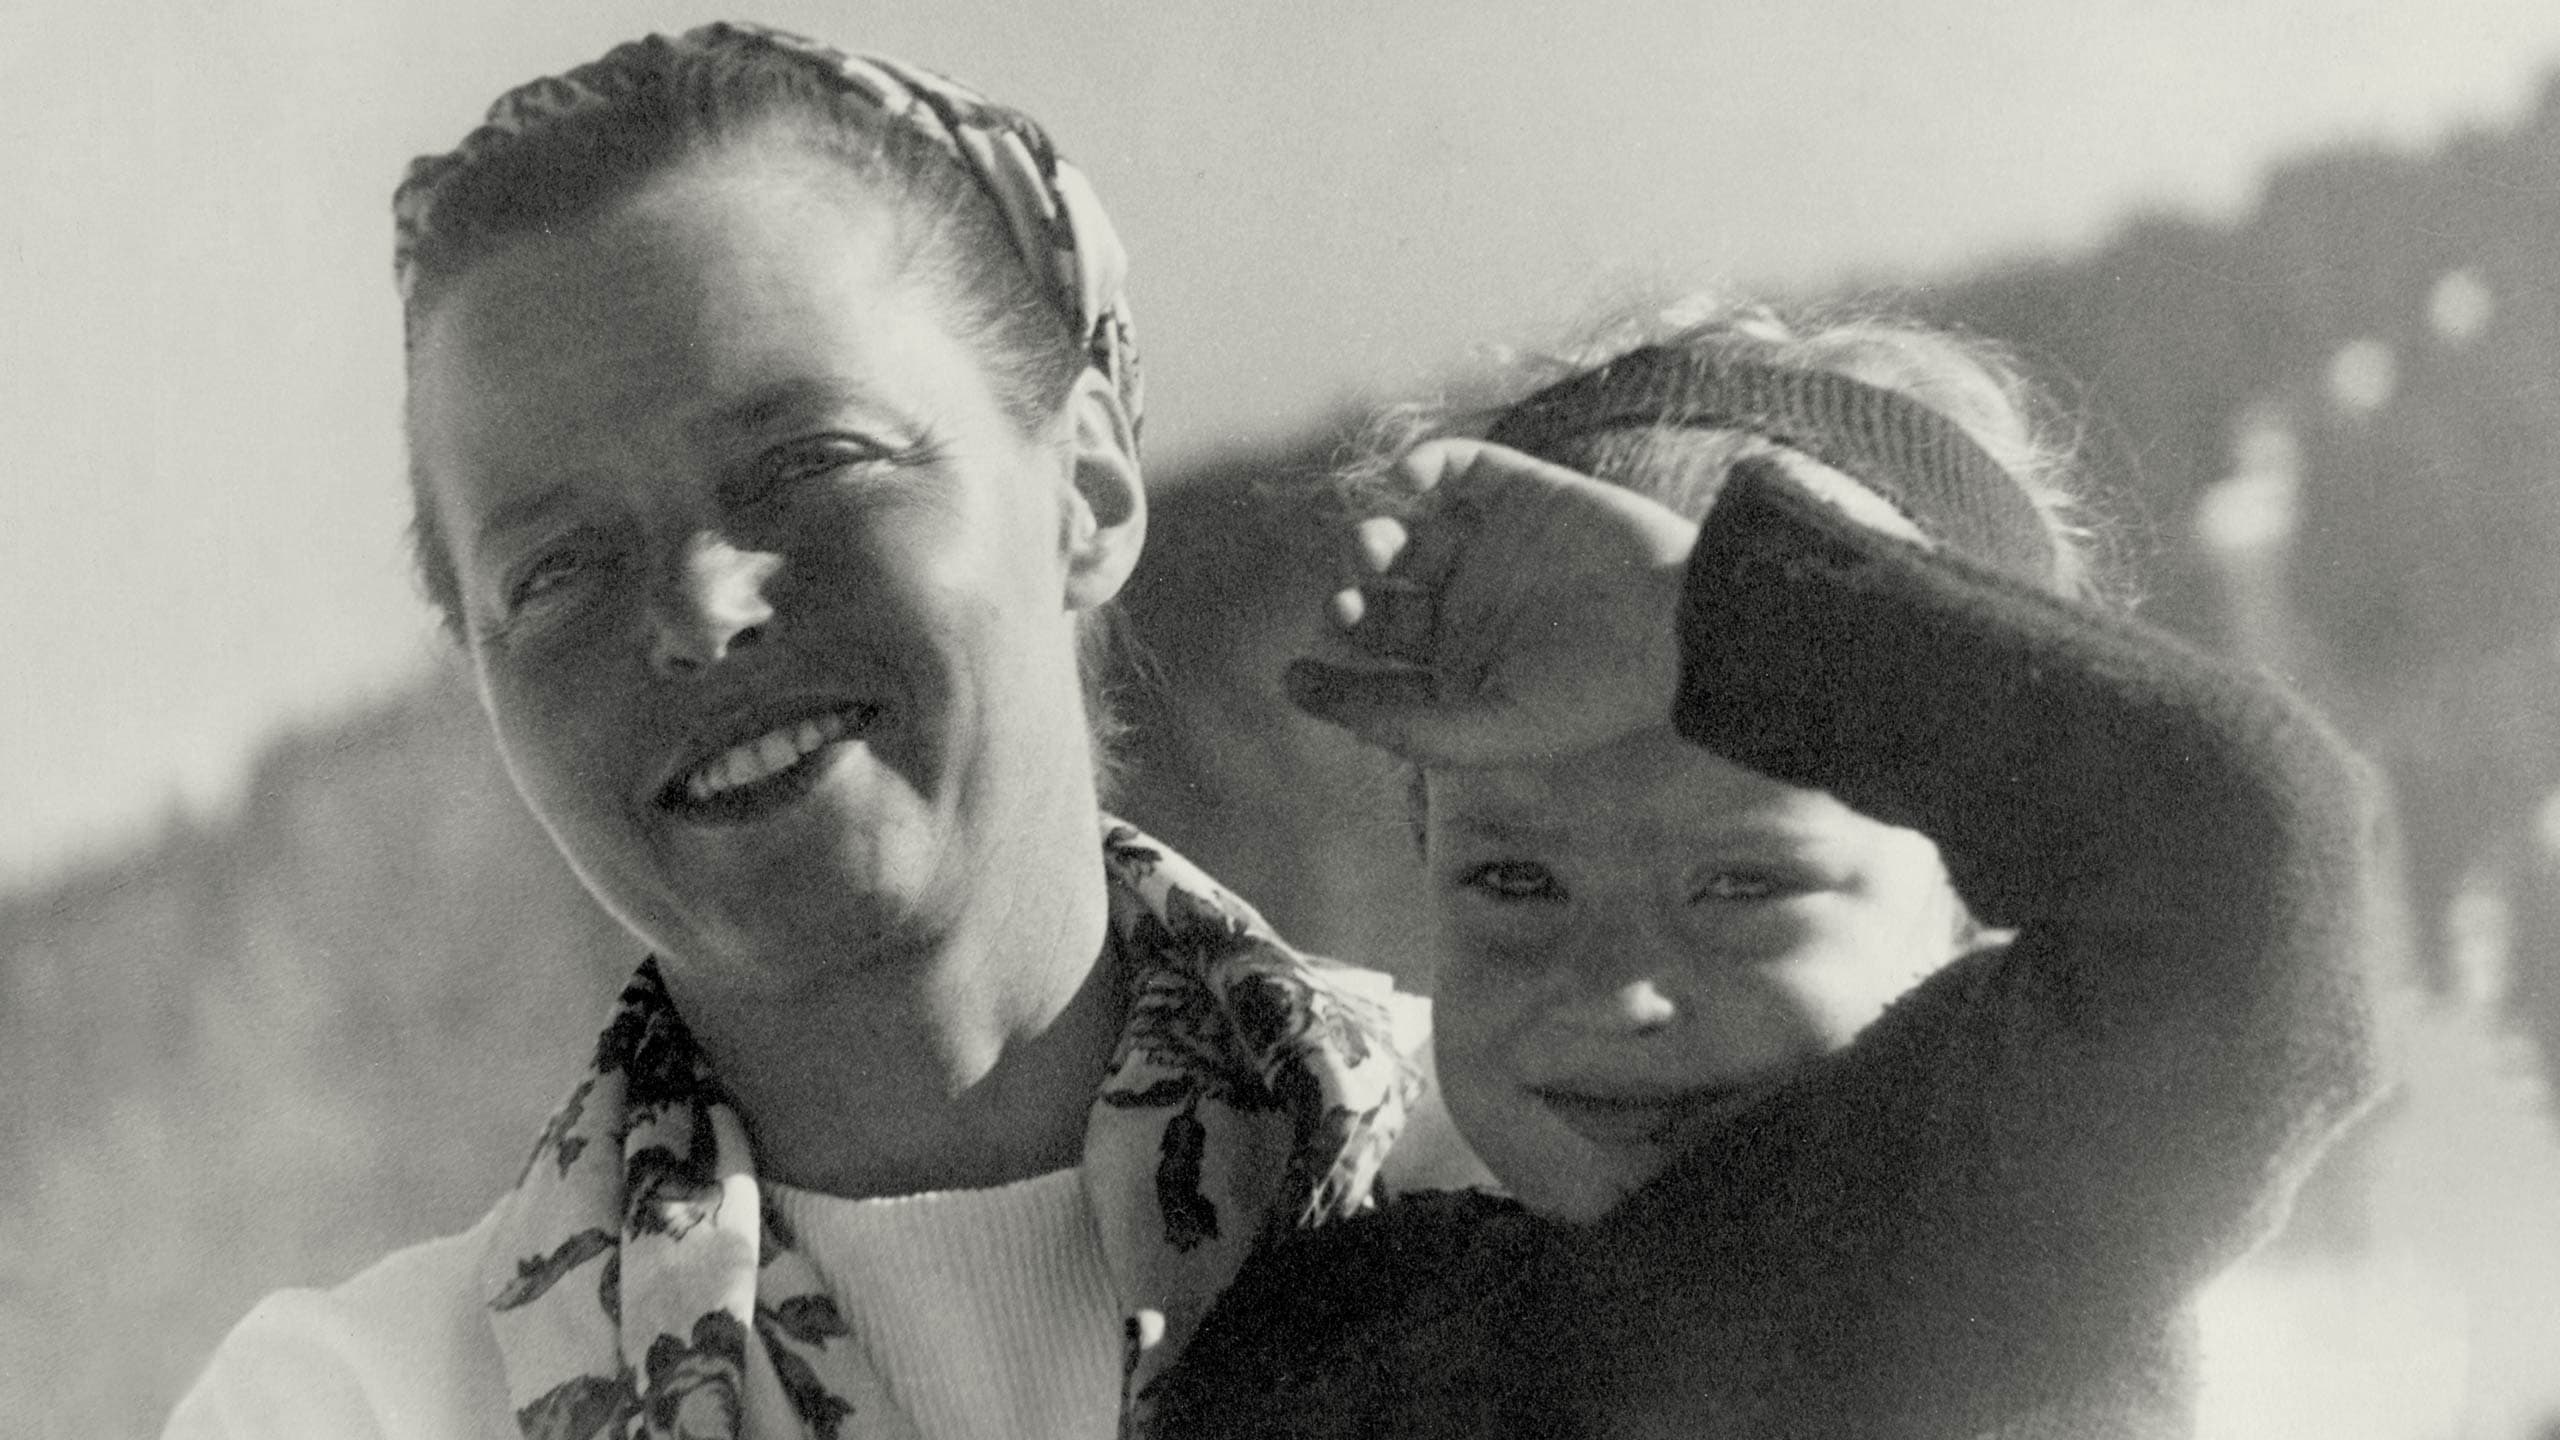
[1916,458]
[1056,221]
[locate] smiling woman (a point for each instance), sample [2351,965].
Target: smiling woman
[773,420]
[721,404]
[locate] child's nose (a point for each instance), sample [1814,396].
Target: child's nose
[1633,1007]
[1624,982]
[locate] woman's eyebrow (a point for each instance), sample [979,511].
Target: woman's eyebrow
[766,405]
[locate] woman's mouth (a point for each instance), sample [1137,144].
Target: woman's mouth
[764,771]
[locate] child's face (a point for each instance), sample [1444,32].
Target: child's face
[1628,934]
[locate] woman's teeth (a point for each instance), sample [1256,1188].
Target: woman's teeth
[765,756]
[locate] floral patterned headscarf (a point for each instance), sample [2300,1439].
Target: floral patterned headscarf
[1056,221]
[639,1285]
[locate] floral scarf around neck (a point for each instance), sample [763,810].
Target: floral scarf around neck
[640,1285]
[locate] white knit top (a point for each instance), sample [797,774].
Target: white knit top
[988,1312]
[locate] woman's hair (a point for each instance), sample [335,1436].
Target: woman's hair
[1660,416]
[563,150]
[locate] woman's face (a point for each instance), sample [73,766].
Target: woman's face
[771,605]
[1627,936]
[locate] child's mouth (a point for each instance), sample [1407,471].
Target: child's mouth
[1622,1119]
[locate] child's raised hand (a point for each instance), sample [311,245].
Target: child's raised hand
[1518,610]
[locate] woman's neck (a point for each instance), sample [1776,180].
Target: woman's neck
[961,1056]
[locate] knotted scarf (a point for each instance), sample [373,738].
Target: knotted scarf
[640,1285]
[1056,221]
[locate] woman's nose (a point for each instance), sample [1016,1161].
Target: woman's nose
[713,605]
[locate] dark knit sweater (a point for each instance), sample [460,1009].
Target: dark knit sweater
[1989,1215]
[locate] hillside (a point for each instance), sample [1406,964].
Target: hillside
[2398,315]
[263,1052]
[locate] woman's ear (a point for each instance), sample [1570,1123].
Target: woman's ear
[1105,518]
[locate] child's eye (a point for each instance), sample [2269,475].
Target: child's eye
[549,572]
[1742,885]
[1513,880]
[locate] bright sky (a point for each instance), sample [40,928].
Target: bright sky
[200,516]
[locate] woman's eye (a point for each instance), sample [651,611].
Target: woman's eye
[784,466]
[1513,880]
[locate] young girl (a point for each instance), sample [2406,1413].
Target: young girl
[1913,981]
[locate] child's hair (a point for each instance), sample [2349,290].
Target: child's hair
[1632,406]
[1946,426]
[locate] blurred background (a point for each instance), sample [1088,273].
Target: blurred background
[288,978]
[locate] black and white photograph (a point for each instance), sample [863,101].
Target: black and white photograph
[867,720]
